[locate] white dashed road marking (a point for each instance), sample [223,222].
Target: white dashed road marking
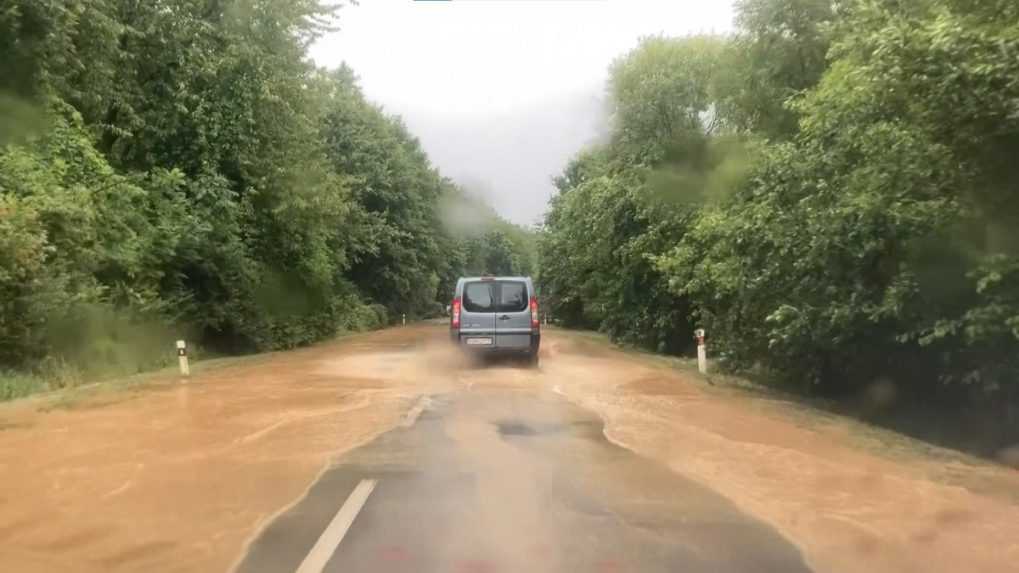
[330,539]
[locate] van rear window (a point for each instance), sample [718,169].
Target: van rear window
[495,296]
[479,297]
[512,297]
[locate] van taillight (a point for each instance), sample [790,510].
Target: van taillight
[456,313]
[535,323]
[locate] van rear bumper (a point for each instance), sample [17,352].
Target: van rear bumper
[504,344]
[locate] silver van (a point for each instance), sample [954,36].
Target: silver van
[496,315]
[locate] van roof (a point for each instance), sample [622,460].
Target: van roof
[495,278]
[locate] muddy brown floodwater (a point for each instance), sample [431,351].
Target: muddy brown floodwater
[174,477]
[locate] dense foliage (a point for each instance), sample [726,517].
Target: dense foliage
[832,192]
[180,166]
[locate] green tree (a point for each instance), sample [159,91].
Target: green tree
[879,242]
[777,54]
[621,205]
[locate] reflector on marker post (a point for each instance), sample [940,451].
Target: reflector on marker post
[182,358]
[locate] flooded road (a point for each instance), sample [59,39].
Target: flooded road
[490,480]
[327,459]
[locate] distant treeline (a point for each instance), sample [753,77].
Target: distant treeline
[832,191]
[180,167]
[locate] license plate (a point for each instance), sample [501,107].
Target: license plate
[479,342]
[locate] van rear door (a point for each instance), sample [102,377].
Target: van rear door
[513,315]
[477,313]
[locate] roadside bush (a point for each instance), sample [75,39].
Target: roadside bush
[74,233]
[381,314]
[19,383]
[359,317]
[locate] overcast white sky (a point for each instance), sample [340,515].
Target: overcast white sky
[502,93]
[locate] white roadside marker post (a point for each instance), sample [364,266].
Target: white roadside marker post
[702,351]
[404,319]
[182,358]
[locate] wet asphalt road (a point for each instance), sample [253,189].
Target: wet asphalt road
[509,480]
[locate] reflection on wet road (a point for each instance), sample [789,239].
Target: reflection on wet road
[509,480]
